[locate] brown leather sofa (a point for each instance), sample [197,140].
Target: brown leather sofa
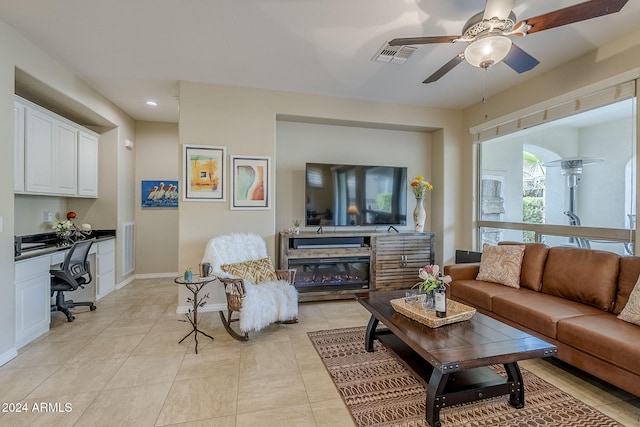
[569,297]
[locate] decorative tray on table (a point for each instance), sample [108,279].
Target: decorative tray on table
[456,312]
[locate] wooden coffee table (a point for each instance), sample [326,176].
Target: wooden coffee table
[457,355]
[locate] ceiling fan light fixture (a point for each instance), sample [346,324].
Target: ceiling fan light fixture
[488,50]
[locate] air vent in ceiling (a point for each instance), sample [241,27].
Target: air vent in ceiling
[394,54]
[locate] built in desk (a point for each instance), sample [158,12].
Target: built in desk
[33,284]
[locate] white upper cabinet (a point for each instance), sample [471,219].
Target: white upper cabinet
[87,165]
[38,148]
[65,161]
[60,157]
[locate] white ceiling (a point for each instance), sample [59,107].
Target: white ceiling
[134,50]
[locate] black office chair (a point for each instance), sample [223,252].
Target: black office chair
[73,273]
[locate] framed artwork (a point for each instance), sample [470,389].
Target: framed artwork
[250,182]
[204,169]
[159,194]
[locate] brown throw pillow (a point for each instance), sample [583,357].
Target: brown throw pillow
[631,311]
[253,271]
[501,264]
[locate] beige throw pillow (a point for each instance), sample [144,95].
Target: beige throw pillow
[631,311]
[254,271]
[501,264]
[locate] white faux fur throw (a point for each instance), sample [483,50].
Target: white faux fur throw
[264,303]
[267,303]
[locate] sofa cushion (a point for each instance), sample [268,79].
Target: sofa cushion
[535,256]
[629,272]
[631,312]
[603,336]
[538,311]
[477,292]
[583,275]
[501,264]
[252,271]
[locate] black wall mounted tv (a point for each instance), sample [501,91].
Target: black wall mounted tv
[355,195]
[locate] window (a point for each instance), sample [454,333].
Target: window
[542,182]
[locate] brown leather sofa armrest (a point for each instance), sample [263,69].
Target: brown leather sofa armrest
[467,271]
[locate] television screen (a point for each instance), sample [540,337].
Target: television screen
[351,195]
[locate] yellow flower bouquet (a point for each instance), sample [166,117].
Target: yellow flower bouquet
[420,186]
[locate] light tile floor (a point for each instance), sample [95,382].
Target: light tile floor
[122,366]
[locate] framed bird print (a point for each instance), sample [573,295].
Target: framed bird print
[159,194]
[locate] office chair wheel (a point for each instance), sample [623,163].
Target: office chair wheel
[71,318]
[92,308]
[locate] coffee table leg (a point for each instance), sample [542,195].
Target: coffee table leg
[434,397]
[516,397]
[370,334]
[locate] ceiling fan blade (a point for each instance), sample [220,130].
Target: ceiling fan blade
[576,13]
[498,9]
[445,68]
[422,40]
[519,60]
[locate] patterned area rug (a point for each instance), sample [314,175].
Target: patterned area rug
[380,391]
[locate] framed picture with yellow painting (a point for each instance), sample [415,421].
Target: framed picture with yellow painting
[250,182]
[204,169]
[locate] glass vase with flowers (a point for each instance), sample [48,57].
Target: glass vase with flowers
[63,230]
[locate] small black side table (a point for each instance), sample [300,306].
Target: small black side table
[195,285]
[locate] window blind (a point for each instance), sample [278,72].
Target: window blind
[577,105]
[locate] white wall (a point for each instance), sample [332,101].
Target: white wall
[29,213]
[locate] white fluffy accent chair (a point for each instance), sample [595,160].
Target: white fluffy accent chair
[259,304]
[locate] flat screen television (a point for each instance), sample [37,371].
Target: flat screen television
[355,195]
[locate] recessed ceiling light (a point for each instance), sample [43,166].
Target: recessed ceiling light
[152,103]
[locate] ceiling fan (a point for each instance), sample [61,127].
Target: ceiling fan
[488,34]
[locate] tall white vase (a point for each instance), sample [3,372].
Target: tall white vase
[419,215]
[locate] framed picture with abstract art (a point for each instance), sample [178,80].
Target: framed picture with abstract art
[250,181]
[204,173]
[159,194]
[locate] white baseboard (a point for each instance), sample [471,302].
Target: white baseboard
[8,355]
[125,282]
[182,309]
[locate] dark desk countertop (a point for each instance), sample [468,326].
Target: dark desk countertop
[49,243]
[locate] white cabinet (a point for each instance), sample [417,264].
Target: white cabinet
[18,146]
[51,152]
[105,268]
[38,148]
[60,157]
[87,165]
[33,309]
[65,170]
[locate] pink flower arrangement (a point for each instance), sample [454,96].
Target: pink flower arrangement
[430,275]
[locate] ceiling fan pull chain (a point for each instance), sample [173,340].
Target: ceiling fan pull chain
[484,86]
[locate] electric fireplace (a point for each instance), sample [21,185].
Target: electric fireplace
[331,273]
